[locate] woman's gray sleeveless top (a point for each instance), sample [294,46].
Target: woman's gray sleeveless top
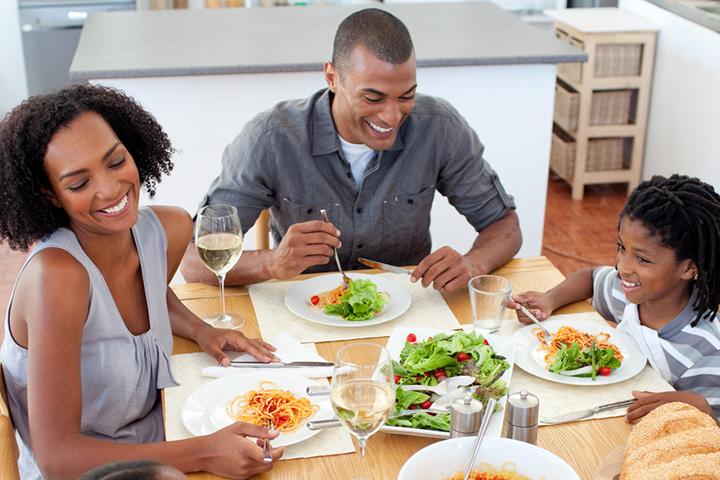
[121,373]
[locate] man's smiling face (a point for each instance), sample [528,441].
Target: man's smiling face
[372,98]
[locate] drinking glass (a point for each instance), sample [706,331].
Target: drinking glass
[488,296]
[363,391]
[219,242]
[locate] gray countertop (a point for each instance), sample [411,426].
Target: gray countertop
[296,39]
[693,10]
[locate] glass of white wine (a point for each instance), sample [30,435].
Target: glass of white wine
[363,391]
[219,242]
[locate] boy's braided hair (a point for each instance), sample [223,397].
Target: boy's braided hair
[684,214]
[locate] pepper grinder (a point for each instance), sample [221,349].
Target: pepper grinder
[522,416]
[465,416]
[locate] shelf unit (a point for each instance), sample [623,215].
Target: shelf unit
[601,106]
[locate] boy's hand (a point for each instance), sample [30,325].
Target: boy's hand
[648,401]
[538,303]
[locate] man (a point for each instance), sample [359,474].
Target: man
[372,153]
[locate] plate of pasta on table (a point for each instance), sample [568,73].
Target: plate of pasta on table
[367,300]
[257,398]
[578,353]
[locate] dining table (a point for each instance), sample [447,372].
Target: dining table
[583,445]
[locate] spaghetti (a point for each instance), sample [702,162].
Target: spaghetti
[331,297]
[487,472]
[259,407]
[567,336]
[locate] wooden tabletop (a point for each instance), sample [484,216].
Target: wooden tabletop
[582,444]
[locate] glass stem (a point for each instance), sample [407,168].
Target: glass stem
[221,281]
[362,442]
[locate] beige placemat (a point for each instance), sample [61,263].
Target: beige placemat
[559,399]
[428,309]
[186,369]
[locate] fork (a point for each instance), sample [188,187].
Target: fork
[267,449]
[534,319]
[346,279]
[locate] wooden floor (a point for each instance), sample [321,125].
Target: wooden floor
[577,233]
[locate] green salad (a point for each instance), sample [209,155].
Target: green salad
[361,301]
[437,358]
[588,362]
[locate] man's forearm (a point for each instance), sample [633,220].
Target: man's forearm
[496,244]
[254,266]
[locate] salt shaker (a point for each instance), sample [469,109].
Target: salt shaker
[465,416]
[522,416]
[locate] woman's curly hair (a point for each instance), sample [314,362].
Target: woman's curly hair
[26,211]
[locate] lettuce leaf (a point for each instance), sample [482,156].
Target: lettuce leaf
[360,302]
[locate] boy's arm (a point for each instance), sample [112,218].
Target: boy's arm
[578,286]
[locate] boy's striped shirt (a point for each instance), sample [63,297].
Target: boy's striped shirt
[692,353]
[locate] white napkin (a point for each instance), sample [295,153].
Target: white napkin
[289,349]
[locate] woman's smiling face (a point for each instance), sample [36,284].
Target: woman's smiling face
[92,176]
[649,271]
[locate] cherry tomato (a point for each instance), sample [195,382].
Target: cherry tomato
[428,339]
[412,407]
[439,373]
[314,299]
[426,404]
[604,371]
[462,357]
[397,378]
[420,378]
[441,378]
[411,338]
[485,341]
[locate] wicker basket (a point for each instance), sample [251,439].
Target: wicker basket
[571,71]
[618,59]
[603,154]
[608,107]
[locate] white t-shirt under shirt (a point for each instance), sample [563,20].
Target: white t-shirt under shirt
[358,156]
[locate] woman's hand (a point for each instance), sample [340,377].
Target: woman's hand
[538,303]
[233,455]
[214,340]
[648,401]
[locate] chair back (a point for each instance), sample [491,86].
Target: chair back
[8,445]
[262,231]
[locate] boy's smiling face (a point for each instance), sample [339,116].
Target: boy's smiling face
[649,271]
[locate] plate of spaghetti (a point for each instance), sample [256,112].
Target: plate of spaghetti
[257,398]
[578,353]
[369,300]
[498,459]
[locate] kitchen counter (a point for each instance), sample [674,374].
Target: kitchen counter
[702,12]
[298,39]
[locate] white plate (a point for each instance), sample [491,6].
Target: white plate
[297,300]
[530,355]
[204,412]
[504,346]
[441,460]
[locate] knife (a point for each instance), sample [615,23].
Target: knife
[581,414]
[382,266]
[236,363]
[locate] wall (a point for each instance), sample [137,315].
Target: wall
[509,106]
[683,133]
[13,87]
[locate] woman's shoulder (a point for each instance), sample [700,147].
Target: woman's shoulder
[176,222]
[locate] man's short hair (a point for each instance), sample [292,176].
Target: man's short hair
[382,33]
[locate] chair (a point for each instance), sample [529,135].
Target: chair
[262,231]
[8,446]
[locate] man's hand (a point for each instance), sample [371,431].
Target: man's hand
[445,268]
[214,341]
[648,401]
[303,246]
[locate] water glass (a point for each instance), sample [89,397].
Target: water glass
[488,296]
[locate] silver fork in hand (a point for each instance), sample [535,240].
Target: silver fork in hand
[346,279]
[267,449]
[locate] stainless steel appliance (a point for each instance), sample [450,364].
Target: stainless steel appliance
[50,34]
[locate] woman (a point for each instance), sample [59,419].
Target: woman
[90,322]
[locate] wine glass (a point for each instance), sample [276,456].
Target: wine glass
[219,242]
[363,391]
